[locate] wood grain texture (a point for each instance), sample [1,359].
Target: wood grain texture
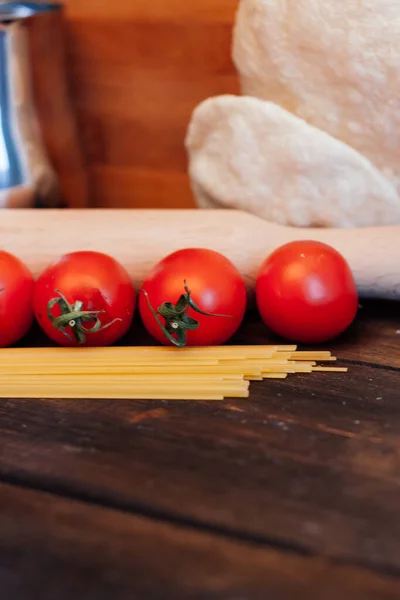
[54,548]
[141,187]
[209,11]
[137,238]
[311,464]
[138,69]
[374,338]
[141,238]
[52,102]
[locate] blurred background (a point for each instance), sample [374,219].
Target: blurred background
[137,70]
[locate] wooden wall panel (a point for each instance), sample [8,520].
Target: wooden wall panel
[138,69]
[209,11]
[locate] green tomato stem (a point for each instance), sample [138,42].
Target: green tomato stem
[177,320]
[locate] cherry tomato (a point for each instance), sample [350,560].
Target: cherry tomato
[184,286]
[306,292]
[16,297]
[84,298]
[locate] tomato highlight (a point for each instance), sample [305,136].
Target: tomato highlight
[208,312]
[16,297]
[84,299]
[177,320]
[306,292]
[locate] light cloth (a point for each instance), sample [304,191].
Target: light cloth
[319,144]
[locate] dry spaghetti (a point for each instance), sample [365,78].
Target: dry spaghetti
[158,373]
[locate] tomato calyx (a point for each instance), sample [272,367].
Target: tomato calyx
[177,320]
[74,317]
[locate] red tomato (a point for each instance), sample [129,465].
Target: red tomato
[91,296]
[16,296]
[306,292]
[214,285]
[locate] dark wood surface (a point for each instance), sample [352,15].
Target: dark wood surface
[292,494]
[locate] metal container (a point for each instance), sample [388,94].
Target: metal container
[41,159]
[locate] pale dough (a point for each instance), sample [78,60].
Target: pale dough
[335,63]
[250,154]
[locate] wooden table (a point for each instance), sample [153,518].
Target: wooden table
[294,494]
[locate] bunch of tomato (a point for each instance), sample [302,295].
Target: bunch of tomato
[305,292]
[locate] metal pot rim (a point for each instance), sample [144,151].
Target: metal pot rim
[11,11]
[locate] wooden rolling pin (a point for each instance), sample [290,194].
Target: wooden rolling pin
[140,238]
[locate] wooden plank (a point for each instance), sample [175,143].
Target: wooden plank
[138,69]
[55,548]
[373,338]
[125,90]
[143,188]
[313,462]
[179,47]
[122,124]
[135,145]
[213,11]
